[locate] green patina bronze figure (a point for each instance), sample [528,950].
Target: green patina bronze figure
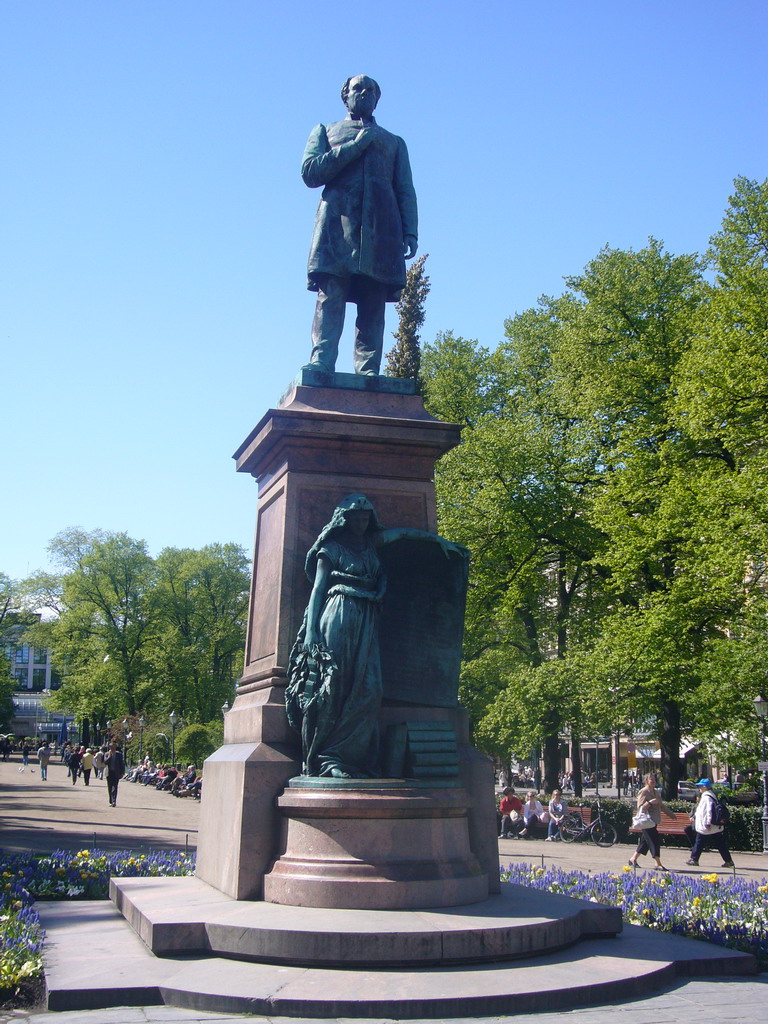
[365,228]
[335,671]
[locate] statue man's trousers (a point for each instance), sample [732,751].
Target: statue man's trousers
[328,323]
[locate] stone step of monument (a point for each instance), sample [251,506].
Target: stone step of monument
[126,973]
[175,916]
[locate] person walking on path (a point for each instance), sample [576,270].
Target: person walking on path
[87,765]
[705,831]
[99,763]
[74,764]
[44,758]
[115,770]
[25,752]
[649,800]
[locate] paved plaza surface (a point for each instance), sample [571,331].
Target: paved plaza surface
[45,816]
[42,816]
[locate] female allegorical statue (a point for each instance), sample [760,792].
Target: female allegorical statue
[335,685]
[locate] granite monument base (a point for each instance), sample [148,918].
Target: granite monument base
[379,844]
[522,952]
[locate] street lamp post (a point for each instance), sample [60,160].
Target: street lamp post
[126,737]
[142,723]
[761,710]
[173,718]
[224,708]
[597,768]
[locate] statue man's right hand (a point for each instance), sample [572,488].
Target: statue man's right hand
[365,136]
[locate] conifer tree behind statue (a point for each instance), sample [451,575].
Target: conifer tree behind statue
[404,359]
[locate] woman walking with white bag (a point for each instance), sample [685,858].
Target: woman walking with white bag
[648,819]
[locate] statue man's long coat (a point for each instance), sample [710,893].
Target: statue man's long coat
[367,209]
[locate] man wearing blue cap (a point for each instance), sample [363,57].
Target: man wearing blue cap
[704,832]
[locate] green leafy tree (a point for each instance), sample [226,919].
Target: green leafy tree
[404,359]
[196,742]
[7,596]
[514,492]
[611,487]
[108,621]
[202,601]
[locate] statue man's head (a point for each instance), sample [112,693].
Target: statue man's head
[360,95]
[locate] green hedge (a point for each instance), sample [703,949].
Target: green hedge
[745,830]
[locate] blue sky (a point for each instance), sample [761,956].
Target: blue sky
[155,228]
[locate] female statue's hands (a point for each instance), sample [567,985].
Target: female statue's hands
[313,639]
[449,548]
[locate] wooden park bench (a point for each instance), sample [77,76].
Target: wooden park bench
[674,826]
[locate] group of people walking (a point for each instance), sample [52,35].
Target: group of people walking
[81,762]
[706,830]
[703,832]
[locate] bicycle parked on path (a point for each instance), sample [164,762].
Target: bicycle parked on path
[599,831]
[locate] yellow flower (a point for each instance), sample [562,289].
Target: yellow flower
[61,872]
[760,888]
[646,910]
[696,901]
[711,878]
[626,869]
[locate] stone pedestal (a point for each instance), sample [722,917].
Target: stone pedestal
[320,444]
[384,845]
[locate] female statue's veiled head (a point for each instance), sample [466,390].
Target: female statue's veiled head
[351,503]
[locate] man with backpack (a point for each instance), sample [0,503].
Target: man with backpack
[709,826]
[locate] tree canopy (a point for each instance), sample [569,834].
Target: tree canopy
[611,487]
[132,635]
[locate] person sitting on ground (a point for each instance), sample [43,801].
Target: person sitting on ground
[183,781]
[649,800]
[511,810]
[166,776]
[703,833]
[138,771]
[195,790]
[152,774]
[533,813]
[558,809]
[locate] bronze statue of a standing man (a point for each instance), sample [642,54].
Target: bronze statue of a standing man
[365,228]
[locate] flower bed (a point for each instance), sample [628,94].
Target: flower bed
[61,876]
[729,911]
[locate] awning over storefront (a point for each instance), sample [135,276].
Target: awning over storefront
[648,753]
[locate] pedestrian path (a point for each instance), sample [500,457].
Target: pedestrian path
[43,816]
[586,856]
